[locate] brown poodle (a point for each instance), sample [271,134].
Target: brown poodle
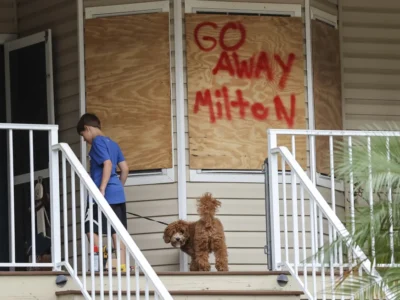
[202,237]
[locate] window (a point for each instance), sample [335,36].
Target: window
[141,116]
[206,172]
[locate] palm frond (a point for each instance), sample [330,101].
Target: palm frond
[373,166]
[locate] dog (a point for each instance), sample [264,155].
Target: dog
[199,239]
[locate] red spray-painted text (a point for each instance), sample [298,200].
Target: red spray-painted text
[256,67]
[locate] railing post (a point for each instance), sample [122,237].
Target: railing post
[274,214]
[268,246]
[54,201]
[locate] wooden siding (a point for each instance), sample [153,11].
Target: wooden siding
[8,20]
[370,37]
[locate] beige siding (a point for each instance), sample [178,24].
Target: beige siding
[159,201]
[60,17]
[370,36]
[8,20]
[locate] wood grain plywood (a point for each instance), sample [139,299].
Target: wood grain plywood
[128,85]
[327,88]
[245,75]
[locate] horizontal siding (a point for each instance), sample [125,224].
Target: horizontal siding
[8,20]
[370,36]
[60,17]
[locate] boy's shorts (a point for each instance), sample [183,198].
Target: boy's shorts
[120,211]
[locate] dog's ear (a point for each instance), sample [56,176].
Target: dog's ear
[167,235]
[185,228]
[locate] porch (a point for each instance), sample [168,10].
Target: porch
[368,91]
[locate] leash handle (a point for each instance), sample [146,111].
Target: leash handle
[150,219]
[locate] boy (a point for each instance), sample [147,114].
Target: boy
[105,155]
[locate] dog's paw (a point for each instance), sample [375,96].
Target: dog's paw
[222,268]
[203,266]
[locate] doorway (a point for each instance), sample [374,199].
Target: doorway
[29,100]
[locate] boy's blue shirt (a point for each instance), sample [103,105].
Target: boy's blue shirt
[103,148]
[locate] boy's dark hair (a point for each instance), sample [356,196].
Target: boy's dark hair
[88,120]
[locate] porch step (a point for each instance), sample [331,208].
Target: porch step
[209,286]
[209,281]
[182,285]
[199,295]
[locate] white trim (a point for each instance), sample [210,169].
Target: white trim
[226,176]
[126,9]
[82,85]
[192,6]
[180,122]
[82,98]
[254,177]
[317,14]
[25,178]
[310,89]
[26,41]
[5,37]
[166,175]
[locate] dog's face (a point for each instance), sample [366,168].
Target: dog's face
[177,233]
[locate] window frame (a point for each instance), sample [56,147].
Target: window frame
[194,6]
[330,19]
[293,10]
[141,177]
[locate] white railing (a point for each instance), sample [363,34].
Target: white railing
[23,143]
[33,157]
[74,228]
[309,222]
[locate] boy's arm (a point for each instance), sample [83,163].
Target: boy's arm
[107,166]
[123,166]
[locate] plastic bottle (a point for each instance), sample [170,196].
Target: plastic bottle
[96,264]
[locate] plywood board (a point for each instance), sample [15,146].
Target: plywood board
[245,74]
[327,88]
[127,62]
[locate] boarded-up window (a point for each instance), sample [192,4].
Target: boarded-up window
[327,87]
[245,74]
[128,85]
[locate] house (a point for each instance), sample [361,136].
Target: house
[170,92]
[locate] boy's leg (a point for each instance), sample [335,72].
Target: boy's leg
[95,223]
[120,211]
[122,251]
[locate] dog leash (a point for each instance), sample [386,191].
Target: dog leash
[150,219]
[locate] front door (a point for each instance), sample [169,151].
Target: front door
[29,100]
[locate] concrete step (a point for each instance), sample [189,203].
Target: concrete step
[198,295]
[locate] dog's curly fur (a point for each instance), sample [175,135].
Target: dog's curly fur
[199,239]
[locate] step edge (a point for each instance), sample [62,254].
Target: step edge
[201,292]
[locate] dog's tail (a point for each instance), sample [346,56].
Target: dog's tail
[207,207]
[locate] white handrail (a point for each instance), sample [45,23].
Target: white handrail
[124,235]
[333,132]
[18,126]
[329,214]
